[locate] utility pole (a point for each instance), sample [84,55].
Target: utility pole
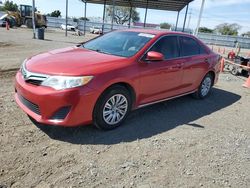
[145,17]
[183,29]
[104,14]
[113,13]
[199,19]
[85,13]
[33,19]
[189,18]
[177,19]
[66,30]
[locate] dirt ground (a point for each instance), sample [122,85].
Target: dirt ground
[179,143]
[17,44]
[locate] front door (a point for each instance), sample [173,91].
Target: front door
[161,79]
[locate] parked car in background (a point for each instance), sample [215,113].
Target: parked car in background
[69,27]
[3,20]
[101,81]
[95,30]
[2,23]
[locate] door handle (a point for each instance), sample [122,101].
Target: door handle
[178,66]
[206,60]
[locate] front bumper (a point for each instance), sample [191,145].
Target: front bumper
[44,104]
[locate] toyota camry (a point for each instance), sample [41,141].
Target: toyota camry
[104,79]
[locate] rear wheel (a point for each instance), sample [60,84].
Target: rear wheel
[112,108]
[205,87]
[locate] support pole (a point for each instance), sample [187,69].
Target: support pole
[183,29]
[103,17]
[177,19]
[33,19]
[66,19]
[130,15]
[199,19]
[146,12]
[113,14]
[85,13]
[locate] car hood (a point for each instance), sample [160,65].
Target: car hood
[73,61]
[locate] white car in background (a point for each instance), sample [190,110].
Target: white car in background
[2,23]
[69,27]
[95,30]
[3,20]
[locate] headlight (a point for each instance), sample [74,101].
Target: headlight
[65,82]
[23,64]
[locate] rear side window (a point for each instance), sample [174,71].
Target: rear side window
[168,46]
[190,47]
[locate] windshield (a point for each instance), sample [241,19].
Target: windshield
[125,44]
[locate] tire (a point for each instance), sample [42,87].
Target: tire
[204,88]
[28,23]
[235,71]
[227,67]
[112,108]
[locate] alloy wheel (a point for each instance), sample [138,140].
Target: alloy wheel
[206,85]
[115,109]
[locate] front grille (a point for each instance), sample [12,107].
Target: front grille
[61,113]
[33,107]
[31,77]
[34,82]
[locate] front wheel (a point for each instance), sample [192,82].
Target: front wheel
[205,87]
[112,108]
[28,23]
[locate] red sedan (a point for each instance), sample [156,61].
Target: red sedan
[101,81]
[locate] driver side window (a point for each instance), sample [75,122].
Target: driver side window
[168,46]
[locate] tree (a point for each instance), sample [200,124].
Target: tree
[55,13]
[228,29]
[121,14]
[9,6]
[205,30]
[247,34]
[165,25]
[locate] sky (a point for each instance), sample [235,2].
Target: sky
[215,12]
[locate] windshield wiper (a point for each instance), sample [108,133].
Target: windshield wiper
[97,50]
[100,51]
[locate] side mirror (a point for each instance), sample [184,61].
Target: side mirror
[154,56]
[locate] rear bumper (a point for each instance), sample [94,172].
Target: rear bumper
[216,77]
[43,103]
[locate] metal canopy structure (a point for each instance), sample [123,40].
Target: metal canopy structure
[170,5]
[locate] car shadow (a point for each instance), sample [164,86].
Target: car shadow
[148,121]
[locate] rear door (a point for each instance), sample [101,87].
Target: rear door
[196,63]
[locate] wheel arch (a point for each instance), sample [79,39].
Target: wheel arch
[212,73]
[127,86]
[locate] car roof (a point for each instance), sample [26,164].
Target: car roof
[157,32]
